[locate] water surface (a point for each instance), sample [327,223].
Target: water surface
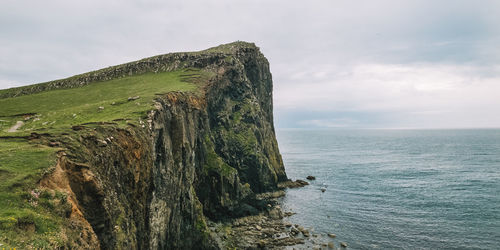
[397,189]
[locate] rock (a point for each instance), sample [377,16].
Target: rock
[311,178]
[331,245]
[262,243]
[343,244]
[132,98]
[322,189]
[54,144]
[302,182]
[288,214]
[293,184]
[258,227]
[275,214]
[100,108]
[304,231]
[78,127]
[101,143]
[332,235]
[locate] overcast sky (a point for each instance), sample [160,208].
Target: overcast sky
[335,63]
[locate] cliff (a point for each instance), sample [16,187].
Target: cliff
[139,155]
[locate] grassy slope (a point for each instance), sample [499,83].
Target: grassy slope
[22,163]
[66,107]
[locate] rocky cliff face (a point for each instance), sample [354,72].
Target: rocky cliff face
[197,157]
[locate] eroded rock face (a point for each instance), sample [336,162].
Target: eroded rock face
[242,120]
[198,156]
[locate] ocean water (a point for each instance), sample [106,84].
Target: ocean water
[397,189]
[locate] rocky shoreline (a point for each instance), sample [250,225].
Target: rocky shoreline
[270,228]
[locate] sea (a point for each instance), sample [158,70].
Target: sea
[396,189]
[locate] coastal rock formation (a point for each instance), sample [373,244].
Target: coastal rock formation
[193,158]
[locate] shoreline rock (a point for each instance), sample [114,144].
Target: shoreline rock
[292,184]
[267,230]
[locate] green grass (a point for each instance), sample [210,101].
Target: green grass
[23,163]
[66,107]
[21,166]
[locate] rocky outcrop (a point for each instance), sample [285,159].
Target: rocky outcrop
[198,156]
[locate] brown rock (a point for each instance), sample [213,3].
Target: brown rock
[293,184]
[305,233]
[262,243]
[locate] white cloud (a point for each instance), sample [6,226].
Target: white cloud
[9,83]
[454,95]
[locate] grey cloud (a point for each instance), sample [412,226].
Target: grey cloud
[324,39]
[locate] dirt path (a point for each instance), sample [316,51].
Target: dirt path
[15,127]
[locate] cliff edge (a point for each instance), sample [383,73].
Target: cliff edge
[139,155]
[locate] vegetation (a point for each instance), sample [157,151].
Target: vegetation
[226,48]
[31,217]
[26,211]
[97,102]
[213,162]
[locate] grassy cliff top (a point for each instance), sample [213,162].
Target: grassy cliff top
[127,98]
[160,63]
[103,95]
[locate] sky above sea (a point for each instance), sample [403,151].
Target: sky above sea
[335,64]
